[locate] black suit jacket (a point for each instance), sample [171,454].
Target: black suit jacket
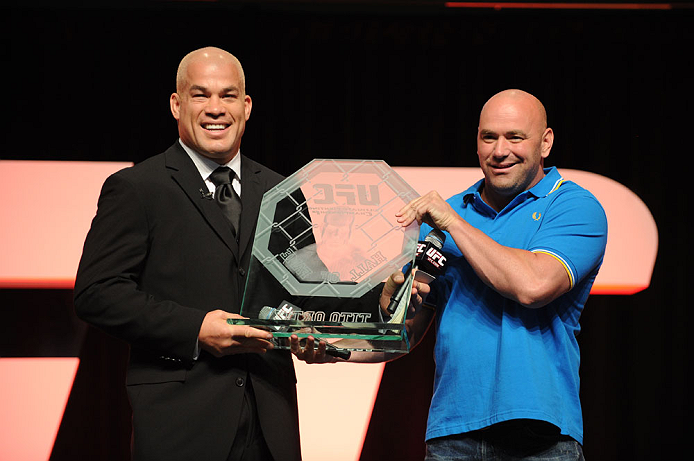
[157,258]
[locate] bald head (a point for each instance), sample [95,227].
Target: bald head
[521,99]
[210,104]
[513,141]
[208,55]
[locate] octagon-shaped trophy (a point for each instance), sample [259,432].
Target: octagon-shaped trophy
[326,239]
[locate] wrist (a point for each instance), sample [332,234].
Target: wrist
[451,224]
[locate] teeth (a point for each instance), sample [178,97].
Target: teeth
[214,127]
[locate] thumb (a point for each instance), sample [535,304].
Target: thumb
[394,281]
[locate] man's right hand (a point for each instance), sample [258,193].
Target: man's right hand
[430,208]
[219,338]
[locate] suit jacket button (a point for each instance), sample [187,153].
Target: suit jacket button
[242,272]
[239,382]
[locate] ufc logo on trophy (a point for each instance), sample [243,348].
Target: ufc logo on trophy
[346,194]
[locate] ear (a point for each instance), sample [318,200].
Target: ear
[547,142]
[248,105]
[175,103]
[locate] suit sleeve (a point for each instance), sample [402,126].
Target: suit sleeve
[107,292]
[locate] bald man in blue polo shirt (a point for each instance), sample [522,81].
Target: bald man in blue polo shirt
[523,248]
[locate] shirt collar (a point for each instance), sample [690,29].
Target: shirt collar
[206,166]
[548,184]
[551,182]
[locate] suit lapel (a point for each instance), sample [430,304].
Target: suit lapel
[186,175]
[251,197]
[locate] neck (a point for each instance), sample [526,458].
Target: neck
[496,201]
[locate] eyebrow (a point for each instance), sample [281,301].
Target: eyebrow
[516,133]
[204,89]
[506,135]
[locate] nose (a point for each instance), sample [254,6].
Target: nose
[502,148]
[215,108]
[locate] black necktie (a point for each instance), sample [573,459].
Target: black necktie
[226,197]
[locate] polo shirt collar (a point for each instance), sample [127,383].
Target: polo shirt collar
[546,186]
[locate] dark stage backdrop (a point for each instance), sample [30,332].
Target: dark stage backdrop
[398,82]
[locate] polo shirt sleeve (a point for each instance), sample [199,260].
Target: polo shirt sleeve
[574,231]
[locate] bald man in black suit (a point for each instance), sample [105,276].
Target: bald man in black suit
[163,269]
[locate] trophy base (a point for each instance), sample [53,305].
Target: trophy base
[350,336]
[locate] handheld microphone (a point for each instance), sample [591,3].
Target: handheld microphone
[284,312]
[287,311]
[429,262]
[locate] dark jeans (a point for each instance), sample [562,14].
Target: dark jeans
[514,440]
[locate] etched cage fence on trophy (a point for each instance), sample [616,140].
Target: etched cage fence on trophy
[326,239]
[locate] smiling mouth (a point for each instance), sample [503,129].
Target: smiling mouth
[215,126]
[502,167]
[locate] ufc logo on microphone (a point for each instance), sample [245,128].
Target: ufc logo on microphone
[432,254]
[436,256]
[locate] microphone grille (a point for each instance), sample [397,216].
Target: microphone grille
[266,313]
[436,238]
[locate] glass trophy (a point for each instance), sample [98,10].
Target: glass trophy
[326,239]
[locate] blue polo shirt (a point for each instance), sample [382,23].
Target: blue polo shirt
[495,359]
